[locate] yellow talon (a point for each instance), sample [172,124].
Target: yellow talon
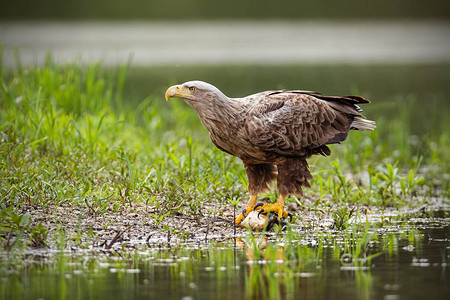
[239,219]
[276,208]
[250,206]
[244,214]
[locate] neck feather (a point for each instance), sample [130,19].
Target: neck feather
[217,110]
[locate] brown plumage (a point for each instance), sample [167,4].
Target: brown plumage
[274,132]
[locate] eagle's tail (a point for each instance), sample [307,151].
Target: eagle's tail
[362,124]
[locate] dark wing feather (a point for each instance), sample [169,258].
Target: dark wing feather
[296,123]
[347,99]
[347,104]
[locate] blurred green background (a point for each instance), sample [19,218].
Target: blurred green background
[416,90]
[231,9]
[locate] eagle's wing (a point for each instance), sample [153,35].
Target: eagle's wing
[299,122]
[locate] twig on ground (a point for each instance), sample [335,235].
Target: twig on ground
[117,236]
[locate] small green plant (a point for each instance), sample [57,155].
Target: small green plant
[38,235]
[158,218]
[13,226]
[389,175]
[410,182]
[340,186]
[60,238]
[342,217]
[359,248]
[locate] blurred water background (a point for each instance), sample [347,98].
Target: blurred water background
[201,32]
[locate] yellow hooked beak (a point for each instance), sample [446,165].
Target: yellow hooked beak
[178,91]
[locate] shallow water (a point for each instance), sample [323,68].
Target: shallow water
[408,262]
[225,42]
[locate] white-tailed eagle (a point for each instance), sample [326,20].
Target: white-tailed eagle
[273,133]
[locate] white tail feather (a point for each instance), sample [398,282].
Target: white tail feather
[363,124]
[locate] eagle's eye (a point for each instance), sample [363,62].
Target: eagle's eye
[192,89]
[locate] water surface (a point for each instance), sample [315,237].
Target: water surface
[399,261]
[227,42]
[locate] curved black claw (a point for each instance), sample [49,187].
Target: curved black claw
[273,219]
[260,211]
[260,204]
[291,216]
[243,214]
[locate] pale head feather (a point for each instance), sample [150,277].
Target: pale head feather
[205,90]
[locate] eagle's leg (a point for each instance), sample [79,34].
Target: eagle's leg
[293,173]
[259,178]
[249,207]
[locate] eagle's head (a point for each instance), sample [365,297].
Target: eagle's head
[194,91]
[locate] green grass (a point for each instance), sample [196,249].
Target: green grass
[71,138]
